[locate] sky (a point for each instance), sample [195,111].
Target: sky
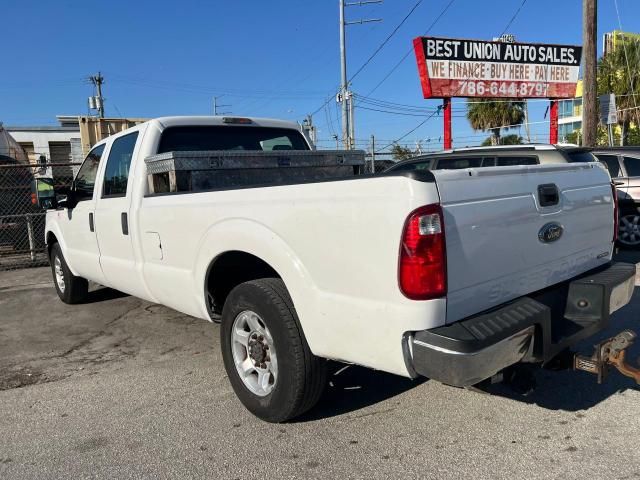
[275,58]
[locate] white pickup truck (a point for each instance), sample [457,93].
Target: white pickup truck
[452,275]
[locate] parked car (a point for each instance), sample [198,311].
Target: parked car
[624,168]
[451,275]
[496,156]
[623,165]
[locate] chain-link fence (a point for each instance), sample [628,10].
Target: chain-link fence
[22,218]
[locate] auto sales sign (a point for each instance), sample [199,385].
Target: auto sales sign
[475,68]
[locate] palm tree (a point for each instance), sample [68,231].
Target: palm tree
[617,76]
[492,114]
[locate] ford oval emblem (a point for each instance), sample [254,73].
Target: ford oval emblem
[550,232]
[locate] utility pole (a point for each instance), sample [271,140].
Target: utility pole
[97,81]
[310,130]
[526,121]
[589,92]
[343,81]
[373,154]
[345,97]
[216,106]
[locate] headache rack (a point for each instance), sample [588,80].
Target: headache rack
[215,170]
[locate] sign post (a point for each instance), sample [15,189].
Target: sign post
[553,122]
[446,107]
[477,68]
[608,113]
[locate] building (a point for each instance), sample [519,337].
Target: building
[570,114]
[53,142]
[570,111]
[617,38]
[68,142]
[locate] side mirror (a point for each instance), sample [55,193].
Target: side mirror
[65,198]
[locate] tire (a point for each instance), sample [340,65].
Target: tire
[294,379]
[629,229]
[71,289]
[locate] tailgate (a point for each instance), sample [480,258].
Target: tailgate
[502,242]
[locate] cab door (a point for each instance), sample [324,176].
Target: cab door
[78,223]
[117,256]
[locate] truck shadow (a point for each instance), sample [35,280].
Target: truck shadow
[351,388]
[574,390]
[103,294]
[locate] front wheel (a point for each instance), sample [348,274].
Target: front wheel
[70,289]
[267,359]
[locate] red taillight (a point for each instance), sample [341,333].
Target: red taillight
[34,199]
[615,211]
[422,270]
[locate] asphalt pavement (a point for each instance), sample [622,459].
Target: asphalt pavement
[121,388]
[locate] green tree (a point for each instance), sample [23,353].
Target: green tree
[602,138]
[512,139]
[493,114]
[401,153]
[617,76]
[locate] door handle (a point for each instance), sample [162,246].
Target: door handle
[91,226]
[548,195]
[124,222]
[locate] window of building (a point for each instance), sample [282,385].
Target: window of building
[117,171]
[86,179]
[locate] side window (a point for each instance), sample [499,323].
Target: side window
[116,174]
[509,161]
[408,167]
[278,143]
[489,162]
[611,161]
[632,165]
[457,163]
[86,178]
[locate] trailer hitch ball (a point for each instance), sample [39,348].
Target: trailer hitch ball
[609,353]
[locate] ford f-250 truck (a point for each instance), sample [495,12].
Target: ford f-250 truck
[451,275]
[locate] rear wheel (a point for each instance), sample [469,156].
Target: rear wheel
[629,230]
[267,359]
[71,289]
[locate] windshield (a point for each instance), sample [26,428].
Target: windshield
[185,139]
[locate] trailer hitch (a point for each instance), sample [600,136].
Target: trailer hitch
[609,353]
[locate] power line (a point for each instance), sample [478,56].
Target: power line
[455,93]
[442,13]
[381,46]
[624,47]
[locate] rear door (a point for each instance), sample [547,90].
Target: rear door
[112,216]
[496,221]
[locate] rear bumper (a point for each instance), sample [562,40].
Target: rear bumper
[534,328]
